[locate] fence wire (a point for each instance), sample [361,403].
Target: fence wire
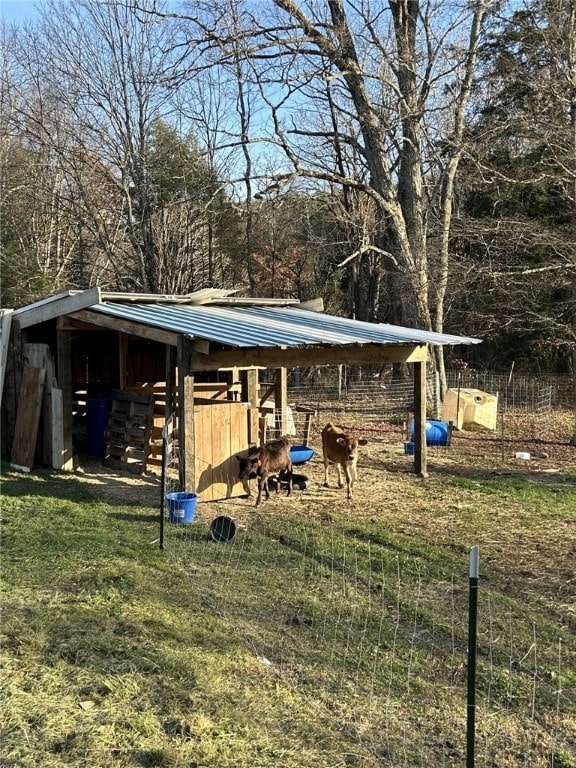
[370,632]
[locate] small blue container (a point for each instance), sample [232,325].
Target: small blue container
[300,454]
[181,507]
[409,448]
[436,432]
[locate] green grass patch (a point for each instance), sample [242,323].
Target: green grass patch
[311,639]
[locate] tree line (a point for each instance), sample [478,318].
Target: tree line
[412,162]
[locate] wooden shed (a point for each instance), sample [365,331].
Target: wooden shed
[140,361]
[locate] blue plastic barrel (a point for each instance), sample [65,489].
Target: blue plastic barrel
[436,432]
[181,507]
[97,412]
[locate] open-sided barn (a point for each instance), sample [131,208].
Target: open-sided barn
[133,360]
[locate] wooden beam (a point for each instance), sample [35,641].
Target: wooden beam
[170,379]
[56,306]
[69,323]
[244,301]
[420,467]
[197,297]
[250,387]
[57,429]
[292,358]
[107,322]
[5,325]
[64,379]
[186,437]
[280,400]
[123,359]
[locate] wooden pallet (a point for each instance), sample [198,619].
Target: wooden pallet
[127,438]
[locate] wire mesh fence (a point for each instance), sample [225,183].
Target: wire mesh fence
[375,640]
[369,628]
[377,395]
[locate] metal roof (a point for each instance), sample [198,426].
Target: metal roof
[264,326]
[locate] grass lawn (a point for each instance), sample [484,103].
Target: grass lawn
[322,636]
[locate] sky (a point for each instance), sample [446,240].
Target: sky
[17,11]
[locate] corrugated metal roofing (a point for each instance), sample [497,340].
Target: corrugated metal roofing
[245,327]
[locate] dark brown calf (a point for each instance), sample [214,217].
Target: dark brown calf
[341,448]
[270,459]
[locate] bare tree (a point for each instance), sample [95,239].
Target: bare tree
[384,86]
[107,72]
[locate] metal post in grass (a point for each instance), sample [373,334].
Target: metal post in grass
[472,623]
[163,481]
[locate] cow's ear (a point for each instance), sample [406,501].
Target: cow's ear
[362,441]
[342,441]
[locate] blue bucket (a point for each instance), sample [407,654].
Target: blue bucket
[436,432]
[181,507]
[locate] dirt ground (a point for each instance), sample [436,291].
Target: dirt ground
[384,466]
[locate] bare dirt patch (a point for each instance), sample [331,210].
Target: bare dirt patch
[384,469]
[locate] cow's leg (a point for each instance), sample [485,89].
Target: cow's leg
[353,474]
[340,475]
[326,462]
[349,480]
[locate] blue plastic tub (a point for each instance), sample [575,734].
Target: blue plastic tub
[436,432]
[300,454]
[181,507]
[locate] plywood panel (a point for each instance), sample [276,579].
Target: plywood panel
[221,431]
[221,420]
[28,418]
[239,442]
[203,450]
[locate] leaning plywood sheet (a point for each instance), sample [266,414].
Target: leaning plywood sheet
[5,325]
[127,440]
[28,418]
[40,356]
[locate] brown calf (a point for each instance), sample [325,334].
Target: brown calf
[270,459]
[341,448]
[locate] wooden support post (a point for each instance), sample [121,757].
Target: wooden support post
[64,378]
[280,400]
[251,394]
[250,387]
[5,325]
[123,357]
[170,379]
[420,419]
[186,450]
